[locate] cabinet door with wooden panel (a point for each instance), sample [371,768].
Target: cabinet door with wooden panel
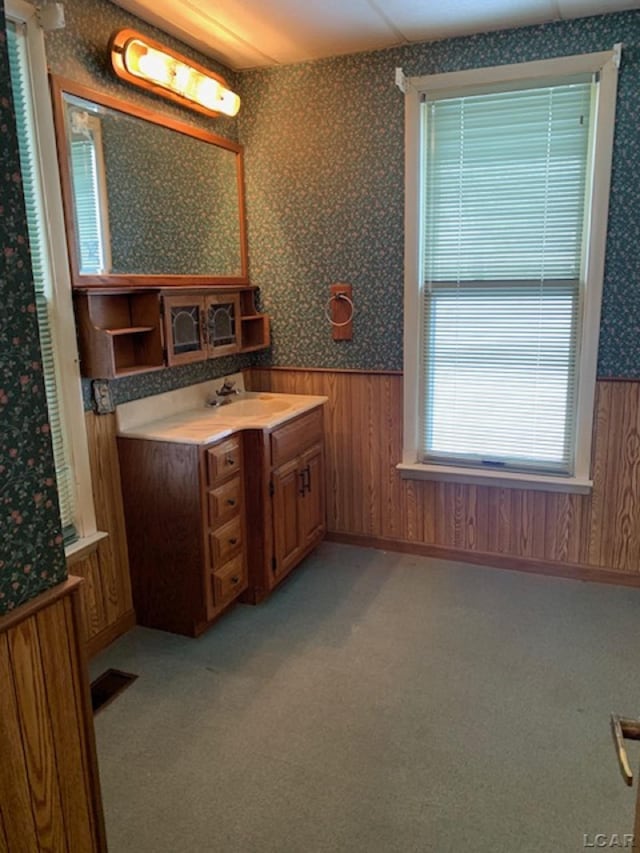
[312,505]
[287,518]
[288,488]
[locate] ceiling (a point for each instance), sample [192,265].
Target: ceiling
[246,34]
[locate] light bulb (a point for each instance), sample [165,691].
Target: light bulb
[208,92]
[229,103]
[154,65]
[214,96]
[181,78]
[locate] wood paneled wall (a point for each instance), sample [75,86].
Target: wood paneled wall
[107,588]
[49,786]
[581,535]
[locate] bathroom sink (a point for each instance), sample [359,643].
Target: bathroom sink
[264,405]
[204,424]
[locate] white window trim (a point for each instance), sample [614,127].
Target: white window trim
[479,81]
[63,323]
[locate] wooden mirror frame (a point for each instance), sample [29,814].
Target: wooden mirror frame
[61,86]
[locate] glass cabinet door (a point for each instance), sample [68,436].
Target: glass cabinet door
[199,327]
[184,322]
[223,323]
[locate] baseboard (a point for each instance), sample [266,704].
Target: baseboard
[100,641]
[574,571]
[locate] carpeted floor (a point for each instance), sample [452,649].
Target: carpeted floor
[378,702]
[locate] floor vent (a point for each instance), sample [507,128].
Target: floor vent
[107,686]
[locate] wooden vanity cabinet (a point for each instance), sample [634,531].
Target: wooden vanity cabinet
[285,499]
[186,530]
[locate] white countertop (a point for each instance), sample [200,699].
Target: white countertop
[202,424]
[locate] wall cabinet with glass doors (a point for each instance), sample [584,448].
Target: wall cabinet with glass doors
[122,331]
[198,327]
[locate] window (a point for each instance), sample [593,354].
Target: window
[50,270]
[507,192]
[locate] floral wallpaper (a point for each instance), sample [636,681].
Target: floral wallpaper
[31,552]
[324,156]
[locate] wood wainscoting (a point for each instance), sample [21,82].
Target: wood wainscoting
[108,604]
[594,536]
[49,787]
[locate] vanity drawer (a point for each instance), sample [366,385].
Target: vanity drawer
[223,460]
[289,440]
[225,501]
[229,580]
[225,541]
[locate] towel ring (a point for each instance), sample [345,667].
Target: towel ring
[328,309]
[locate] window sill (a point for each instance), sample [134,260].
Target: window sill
[83,547]
[499,479]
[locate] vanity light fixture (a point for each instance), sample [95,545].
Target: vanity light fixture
[145,63]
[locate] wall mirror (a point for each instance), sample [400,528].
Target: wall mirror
[148,200]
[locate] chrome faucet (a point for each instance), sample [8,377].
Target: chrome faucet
[222,395]
[227,388]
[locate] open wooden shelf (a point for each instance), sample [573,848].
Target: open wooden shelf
[119,332]
[254,332]
[254,327]
[127,371]
[129,330]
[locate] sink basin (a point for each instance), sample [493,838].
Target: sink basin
[255,406]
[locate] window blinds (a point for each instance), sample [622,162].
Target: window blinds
[87,206]
[41,270]
[504,202]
